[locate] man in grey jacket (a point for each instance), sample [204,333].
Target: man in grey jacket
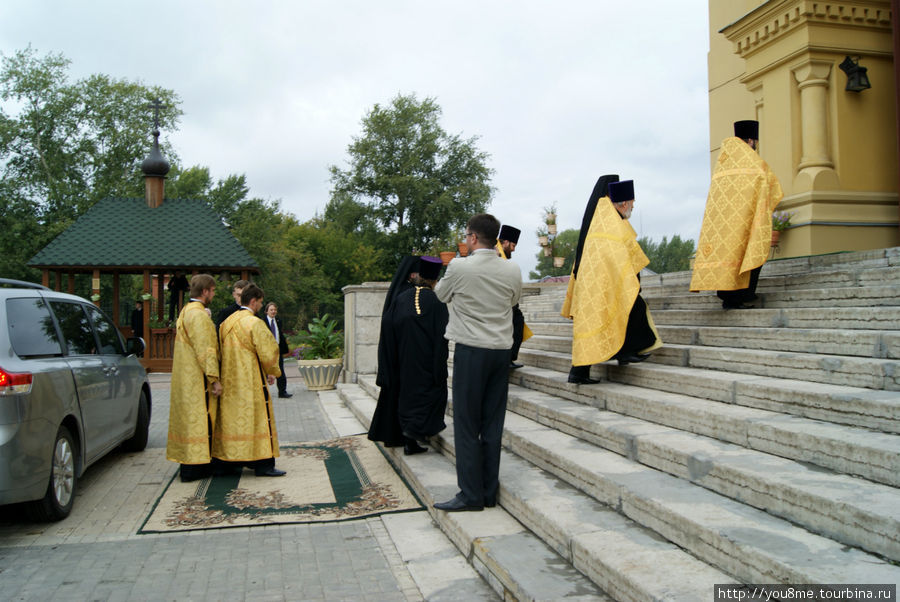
[480,291]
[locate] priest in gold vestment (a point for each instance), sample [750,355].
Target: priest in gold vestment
[244,424]
[610,319]
[195,381]
[736,235]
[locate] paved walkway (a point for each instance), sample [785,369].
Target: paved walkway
[96,553]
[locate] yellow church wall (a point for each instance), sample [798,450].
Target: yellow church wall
[834,151]
[727,95]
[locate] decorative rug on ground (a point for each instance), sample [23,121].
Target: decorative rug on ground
[339,479]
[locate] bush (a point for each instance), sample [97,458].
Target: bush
[321,340]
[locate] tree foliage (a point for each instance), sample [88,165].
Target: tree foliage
[668,255]
[409,178]
[64,146]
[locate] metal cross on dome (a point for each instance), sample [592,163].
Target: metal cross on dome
[156,105]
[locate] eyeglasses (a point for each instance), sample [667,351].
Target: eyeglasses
[468,234]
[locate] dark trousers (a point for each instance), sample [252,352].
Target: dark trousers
[281,381]
[480,388]
[744,295]
[518,332]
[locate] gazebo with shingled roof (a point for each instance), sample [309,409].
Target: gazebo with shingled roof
[153,236]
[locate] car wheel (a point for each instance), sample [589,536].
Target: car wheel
[57,502]
[138,441]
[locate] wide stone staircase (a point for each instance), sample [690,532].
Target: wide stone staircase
[758,446]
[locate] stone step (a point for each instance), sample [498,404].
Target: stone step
[869,373]
[839,404]
[777,276]
[848,509]
[621,557]
[748,543]
[514,561]
[856,371]
[848,276]
[864,343]
[812,298]
[881,344]
[432,559]
[885,319]
[742,541]
[847,450]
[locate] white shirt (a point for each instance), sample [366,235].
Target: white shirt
[480,291]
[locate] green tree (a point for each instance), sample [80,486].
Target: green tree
[564,245]
[668,255]
[409,177]
[63,146]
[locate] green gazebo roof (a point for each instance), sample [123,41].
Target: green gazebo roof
[127,233]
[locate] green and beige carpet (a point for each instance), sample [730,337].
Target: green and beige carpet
[339,479]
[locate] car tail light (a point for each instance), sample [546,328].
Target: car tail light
[12,383]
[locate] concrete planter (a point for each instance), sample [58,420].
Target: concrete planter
[320,375]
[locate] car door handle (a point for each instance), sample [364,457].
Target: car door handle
[112,371]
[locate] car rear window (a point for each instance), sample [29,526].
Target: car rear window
[31,329]
[75,327]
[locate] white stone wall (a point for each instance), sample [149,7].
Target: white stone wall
[362,322]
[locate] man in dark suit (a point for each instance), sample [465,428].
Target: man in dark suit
[236,291]
[274,324]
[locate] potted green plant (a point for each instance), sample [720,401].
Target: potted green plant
[550,218]
[461,245]
[781,221]
[321,356]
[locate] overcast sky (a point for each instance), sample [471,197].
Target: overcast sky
[558,93]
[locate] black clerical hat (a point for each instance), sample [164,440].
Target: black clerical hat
[429,267]
[747,129]
[509,233]
[619,192]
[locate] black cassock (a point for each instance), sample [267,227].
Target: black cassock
[412,369]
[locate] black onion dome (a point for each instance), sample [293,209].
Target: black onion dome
[155,164]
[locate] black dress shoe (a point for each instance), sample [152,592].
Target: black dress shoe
[285,395]
[632,358]
[727,306]
[457,505]
[410,448]
[583,380]
[271,472]
[514,365]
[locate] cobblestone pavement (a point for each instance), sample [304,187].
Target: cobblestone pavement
[96,553]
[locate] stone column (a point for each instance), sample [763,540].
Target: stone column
[362,326]
[816,169]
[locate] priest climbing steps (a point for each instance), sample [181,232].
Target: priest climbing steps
[757,446]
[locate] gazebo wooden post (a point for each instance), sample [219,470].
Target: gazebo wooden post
[115,307]
[160,297]
[71,283]
[45,277]
[58,284]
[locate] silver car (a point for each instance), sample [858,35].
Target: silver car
[71,391]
